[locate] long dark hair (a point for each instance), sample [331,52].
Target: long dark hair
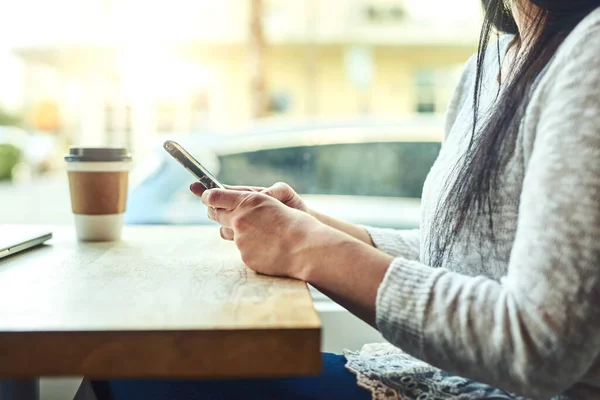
[473,192]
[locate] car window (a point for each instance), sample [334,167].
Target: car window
[393,169]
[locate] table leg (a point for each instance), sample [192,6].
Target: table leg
[20,389]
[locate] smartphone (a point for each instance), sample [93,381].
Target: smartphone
[192,165]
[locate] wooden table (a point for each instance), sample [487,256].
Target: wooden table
[165,302]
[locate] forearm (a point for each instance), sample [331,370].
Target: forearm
[348,271]
[397,243]
[348,228]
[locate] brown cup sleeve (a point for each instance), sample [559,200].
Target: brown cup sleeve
[98,193]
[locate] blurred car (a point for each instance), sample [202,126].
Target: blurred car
[366,172]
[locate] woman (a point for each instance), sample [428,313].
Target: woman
[501,285]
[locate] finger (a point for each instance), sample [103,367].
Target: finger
[226,233]
[211,213]
[222,217]
[245,188]
[223,198]
[280,191]
[197,188]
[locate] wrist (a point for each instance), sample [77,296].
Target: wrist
[315,249]
[331,250]
[333,257]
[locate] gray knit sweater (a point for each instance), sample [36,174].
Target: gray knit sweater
[526,319]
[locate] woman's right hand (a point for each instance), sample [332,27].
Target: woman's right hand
[285,194]
[280,191]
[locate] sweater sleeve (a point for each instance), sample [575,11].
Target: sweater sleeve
[397,243]
[536,331]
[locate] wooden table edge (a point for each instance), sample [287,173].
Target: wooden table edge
[184,354]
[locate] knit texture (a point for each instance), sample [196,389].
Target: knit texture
[521,311]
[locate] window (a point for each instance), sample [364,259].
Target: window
[280,102]
[426,86]
[359,169]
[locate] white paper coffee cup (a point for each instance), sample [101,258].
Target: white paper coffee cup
[98,182]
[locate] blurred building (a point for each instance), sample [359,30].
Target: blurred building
[120,70]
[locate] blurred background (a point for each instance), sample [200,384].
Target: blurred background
[343,99]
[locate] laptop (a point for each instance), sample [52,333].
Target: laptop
[17,238]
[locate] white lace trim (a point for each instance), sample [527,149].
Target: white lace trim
[356,364]
[391,374]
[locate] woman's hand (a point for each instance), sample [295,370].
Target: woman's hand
[286,195]
[280,191]
[273,239]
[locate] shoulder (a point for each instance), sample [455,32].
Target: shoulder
[580,49]
[588,29]
[565,107]
[572,77]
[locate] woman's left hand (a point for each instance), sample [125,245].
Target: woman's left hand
[273,239]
